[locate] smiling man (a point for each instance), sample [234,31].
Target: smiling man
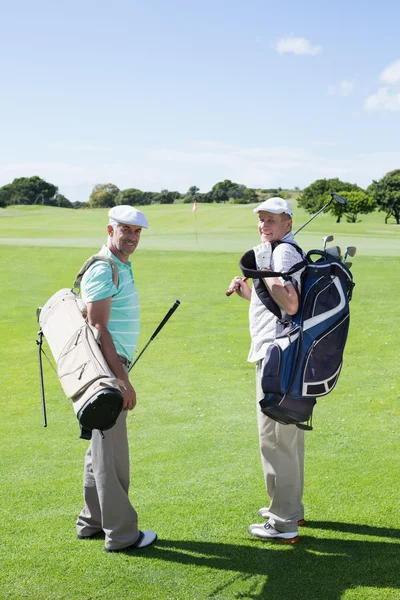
[114,312]
[281,446]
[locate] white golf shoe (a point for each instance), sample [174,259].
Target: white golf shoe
[265,531]
[264,514]
[146,538]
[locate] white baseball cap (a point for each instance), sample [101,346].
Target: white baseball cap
[128,215]
[275,205]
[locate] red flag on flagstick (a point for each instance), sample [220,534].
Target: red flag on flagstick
[194,207]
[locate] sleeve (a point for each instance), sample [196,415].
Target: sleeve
[97,283]
[284,258]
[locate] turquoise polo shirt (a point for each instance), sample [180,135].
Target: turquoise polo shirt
[124,322]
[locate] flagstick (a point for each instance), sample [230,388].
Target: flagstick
[194,208]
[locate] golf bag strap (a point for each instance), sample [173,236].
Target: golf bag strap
[88,263]
[249,269]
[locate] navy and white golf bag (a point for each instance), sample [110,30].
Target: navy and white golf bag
[305,360]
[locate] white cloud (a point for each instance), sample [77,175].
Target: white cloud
[203,163]
[383,100]
[344,88]
[391,74]
[295,45]
[271,166]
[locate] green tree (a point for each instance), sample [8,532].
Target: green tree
[6,195]
[219,195]
[192,191]
[250,195]
[28,190]
[231,189]
[237,191]
[61,201]
[358,202]
[386,192]
[134,197]
[167,197]
[77,204]
[103,195]
[313,197]
[206,198]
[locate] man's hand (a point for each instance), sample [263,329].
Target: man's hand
[240,287]
[98,314]
[129,396]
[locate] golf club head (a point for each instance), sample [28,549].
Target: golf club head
[351,251]
[326,239]
[348,265]
[334,251]
[339,199]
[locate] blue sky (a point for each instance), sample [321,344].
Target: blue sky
[168,94]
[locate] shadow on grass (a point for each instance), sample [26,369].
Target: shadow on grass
[312,569]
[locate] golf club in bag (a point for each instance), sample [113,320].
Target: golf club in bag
[96,394]
[335,197]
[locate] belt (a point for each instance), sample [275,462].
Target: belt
[124,360]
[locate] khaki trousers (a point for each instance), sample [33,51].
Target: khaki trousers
[282,459]
[105,488]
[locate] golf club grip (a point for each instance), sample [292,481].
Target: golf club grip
[229,293]
[166,318]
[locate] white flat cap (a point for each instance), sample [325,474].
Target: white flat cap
[275,205]
[128,215]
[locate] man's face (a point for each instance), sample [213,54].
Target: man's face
[125,238]
[272,227]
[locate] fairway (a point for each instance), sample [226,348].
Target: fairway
[212,228]
[195,470]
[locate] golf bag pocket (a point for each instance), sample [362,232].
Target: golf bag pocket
[81,362]
[324,359]
[280,362]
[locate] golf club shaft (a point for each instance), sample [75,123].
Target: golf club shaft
[313,217]
[39,343]
[157,331]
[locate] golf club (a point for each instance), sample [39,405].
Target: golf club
[229,292]
[326,239]
[335,251]
[348,264]
[335,197]
[157,331]
[350,251]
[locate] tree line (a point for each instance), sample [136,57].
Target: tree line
[382,195]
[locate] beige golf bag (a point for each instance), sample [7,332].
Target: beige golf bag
[84,375]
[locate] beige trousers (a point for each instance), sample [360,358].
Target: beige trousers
[282,459]
[105,488]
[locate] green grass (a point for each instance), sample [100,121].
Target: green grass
[212,228]
[196,477]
